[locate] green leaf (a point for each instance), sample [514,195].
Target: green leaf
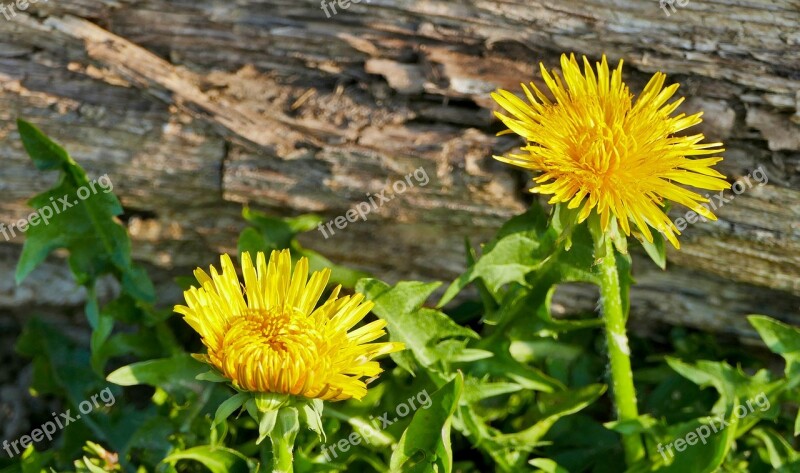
[425,445]
[732,384]
[779,450]
[175,375]
[576,265]
[478,390]
[85,225]
[467,355]
[362,426]
[339,274]
[212,376]
[229,407]
[311,415]
[545,465]
[641,424]
[278,233]
[216,459]
[283,438]
[32,461]
[502,364]
[99,337]
[44,152]
[421,329]
[252,241]
[271,233]
[519,302]
[510,260]
[62,369]
[266,424]
[704,456]
[510,257]
[797,424]
[91,466]
[558,405]
[657,250]
[783,340]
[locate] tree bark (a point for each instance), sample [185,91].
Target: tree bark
[195,108]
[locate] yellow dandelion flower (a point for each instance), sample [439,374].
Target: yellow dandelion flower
[269,336]
[599,150]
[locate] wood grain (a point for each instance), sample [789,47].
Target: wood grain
[195,108]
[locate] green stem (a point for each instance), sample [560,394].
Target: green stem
[282,454]
[282,439]
[618,350]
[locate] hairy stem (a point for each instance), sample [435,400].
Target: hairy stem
[618,351]
[282,439]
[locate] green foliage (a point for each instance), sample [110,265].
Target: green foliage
[432,338]
[176,374]
[216,459]
[85,227]
[494,378]
[267,234]
[425,445]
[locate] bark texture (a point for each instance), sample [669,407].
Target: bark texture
[195,107]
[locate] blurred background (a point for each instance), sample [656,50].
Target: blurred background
[195,108]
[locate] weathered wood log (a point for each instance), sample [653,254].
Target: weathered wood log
[195,108]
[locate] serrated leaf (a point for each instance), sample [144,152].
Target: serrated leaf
[781,339]
[311,415]
[510,260]
[425,445]
[421,329]
[517,250]
[702,457]
[62,369]
[564,404]
[86,227]
[732,384]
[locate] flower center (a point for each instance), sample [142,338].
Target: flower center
[598,148]
[270,350]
